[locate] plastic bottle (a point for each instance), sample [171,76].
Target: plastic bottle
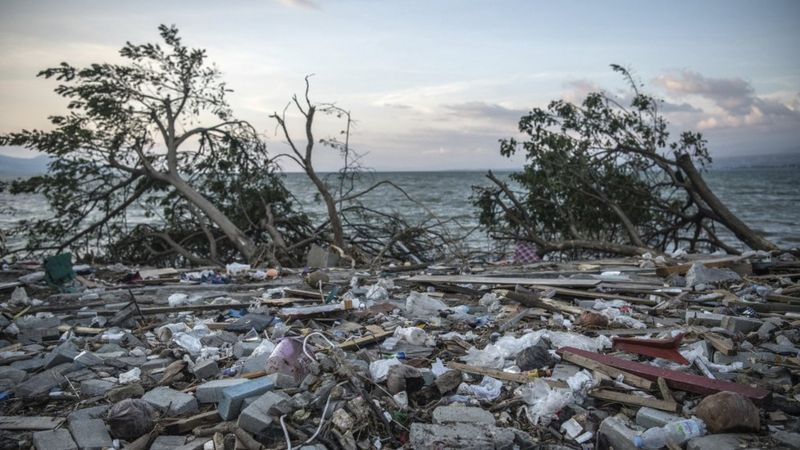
[676,432]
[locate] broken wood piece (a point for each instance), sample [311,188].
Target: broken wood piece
[666,393]
[188,424]
[722,344]
[532,301]
[80,330]
[629,399]
[683,268]
[29,422]
[309,311]
[613,372]
[468,279]
[368,339]
[676,380]
[523,377]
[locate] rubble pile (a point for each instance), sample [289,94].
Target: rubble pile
[685,351]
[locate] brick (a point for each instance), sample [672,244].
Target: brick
[232,397]
[90,434]
[457,413]
[171,402]
[211,391]
[95,388]
[206,369]
[54,440]
[258,416]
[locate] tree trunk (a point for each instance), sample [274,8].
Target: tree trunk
[726,217]
[240,240]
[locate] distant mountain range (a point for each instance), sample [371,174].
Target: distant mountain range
[11,166]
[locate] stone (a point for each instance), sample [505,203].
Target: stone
[95,388]
[740,324]
[728,411]
[699,276]
[716,442]
[29,365]
[211,391]
[64,353]
[40,384]
[789,439]
[257,417]
[232,397]
[133,390]
[54,440]
[13,374]
[90,434]
[458,413]
[88,359]
[171,402]
[649,417]
[95,412]
[205,369]
[404,378]
[166,442]
[448,381]
[765,330]
[460,436]
[156,363]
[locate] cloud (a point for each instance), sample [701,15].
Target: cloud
[486,111]
[304,4]
[668,107]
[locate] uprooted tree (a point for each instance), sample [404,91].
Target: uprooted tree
[604,176]
[156,132]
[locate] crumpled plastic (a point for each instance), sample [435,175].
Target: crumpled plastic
[379,369]
[494,355]
[491,302]
[437,368]
[581,382]
[543,401]
[423,305]
[377,292]
[188,342]
[412,335]
[489,389]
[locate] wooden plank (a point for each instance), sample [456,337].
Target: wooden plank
[613,372]
[524,377]
[190,423]
[723,344]
[468,279]
[594,295]
[549,304]
[628,399]
[666,392]
[631,331]
[683,268]
[364,340]
[80,330]
[29,422]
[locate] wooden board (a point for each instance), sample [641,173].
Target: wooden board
[467,279]
[683,268]
[629,399]
[524,377]
[613,372]
[29,422]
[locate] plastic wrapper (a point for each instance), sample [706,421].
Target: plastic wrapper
[412,335]
[377,292]
[581,382]
[379,369]
[438,368]
[494,355]
[265,347]
[543,401]
[236,268]
[489,389]
[423,305]
[188,342]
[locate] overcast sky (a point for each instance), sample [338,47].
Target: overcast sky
[435,84]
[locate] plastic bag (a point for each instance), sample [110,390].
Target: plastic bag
[236,268]
[379,369]
[412,335]
[422,305]
[178,299]
[488,390]
[581,382]
[265,347]
[188,342]
[543,401]
[288,358]
[131,419]
[377,292]
[438,368]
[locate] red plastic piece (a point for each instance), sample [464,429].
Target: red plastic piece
[657,348]
[677,380]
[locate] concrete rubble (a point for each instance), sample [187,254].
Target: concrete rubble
[556,355]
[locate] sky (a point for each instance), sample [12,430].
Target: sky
[433,85]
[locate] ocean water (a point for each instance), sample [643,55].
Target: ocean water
[768,199]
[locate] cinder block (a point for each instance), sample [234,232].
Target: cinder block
[205,369]
[211,392]
[258,416]
[170,401]
[232,397]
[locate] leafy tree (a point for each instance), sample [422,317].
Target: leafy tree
[156,131]
[606,176]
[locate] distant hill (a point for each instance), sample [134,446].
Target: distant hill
[21,167]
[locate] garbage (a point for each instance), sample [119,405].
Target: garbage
[674,432]
[131,418]
[728,411]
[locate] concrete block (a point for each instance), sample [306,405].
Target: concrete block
[54,440]
[460,435]
[171,402]
[90,434]
[40,384]
[95,412]
[13,374]
[649,417]
[716,442]
[64,353]
[703,318]
[133,390]
[232,397]
[165,442]
[95,388]
[258,416]
[206,369]
[466,414]
[29,365]
[211,392]
[157,363]
[88,359]
[740,324]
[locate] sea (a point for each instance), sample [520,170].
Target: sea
[766,198]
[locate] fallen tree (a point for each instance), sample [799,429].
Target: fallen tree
[155,132]
[605,177]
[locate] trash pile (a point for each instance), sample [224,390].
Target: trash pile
[685,351]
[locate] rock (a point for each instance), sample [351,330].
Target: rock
[699,276]
[257,417]
[314,279]
[791,440]
[133,390]
[703,318]
[95,412]
[40,384]
[95,388]
[535,357]
[465,414]
[592,320]
[90,434]
[171,402]
[131,418]
[343,420]
[205,369]
[54,440]
[728,411]
[404,378]
[64,353]
[460,436]
[448,381]
[12,374]
[88,359]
